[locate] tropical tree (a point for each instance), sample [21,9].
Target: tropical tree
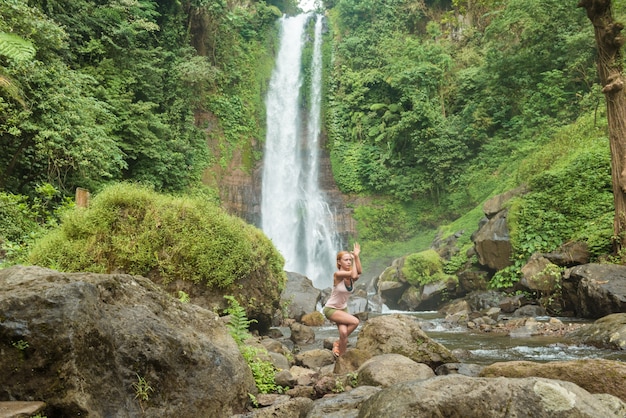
[609,63]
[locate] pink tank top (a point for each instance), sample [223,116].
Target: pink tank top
[339,296]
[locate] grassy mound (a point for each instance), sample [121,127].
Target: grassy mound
[132,229]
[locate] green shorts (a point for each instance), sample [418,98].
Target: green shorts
[328,311]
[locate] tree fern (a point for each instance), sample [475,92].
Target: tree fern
[15,47]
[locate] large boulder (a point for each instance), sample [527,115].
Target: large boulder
[401,334]
[388,369]
[593,375]
[493,243]
[608,332]
[114,345]
[595,290]
[299,296]
[457,395]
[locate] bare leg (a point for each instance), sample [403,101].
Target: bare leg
[346,324]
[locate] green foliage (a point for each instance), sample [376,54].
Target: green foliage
[133,229]
[263,371]
[573,201]
[183,297]
[20,345]
[423,268]
[15,47]
[238,324]
[142,389]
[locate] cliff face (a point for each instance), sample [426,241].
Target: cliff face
[240,193]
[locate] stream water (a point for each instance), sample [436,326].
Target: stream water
[488,348]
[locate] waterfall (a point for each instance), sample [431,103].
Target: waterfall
[294,212]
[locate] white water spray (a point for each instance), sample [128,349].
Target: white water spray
[295,215]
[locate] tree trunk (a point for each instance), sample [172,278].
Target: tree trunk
[610,41]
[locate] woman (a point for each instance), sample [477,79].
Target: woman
[336,308]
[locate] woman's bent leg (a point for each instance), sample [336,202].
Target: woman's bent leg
[346,324]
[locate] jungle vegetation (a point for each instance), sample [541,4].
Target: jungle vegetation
[431,107]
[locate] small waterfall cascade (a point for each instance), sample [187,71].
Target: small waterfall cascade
[294,211]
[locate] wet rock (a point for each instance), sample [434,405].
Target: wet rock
[608,332]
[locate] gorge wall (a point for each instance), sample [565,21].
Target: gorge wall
[240,192]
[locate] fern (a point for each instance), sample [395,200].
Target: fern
[239,323]
[15,47]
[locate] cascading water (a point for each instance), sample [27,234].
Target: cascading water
[294,212]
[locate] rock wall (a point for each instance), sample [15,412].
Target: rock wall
[240,193]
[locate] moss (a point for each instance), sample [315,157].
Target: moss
[132,229]
[423,268]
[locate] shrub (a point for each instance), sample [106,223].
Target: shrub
[423,268]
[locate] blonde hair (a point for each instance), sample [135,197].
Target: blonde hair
[339,255]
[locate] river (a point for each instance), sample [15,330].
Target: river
[485,348]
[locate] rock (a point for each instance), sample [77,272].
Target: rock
[350,361]
[83,343]
[467,369]
[313,319]
[540,274]
[303,376]
[401,334]
[315,359]
[510,304]
[496,204]
[529,311]
[284,378]
[358,304]
[17,409]
[493,244]
[570,254]
[410,299]
[279,361]
[301,334]
[481,300]
[297,407]
[299,296]
[470,280]
[608,332]
[391,292]
[457,395]
[388,369]
[343,405]
[595,290]
[593,375]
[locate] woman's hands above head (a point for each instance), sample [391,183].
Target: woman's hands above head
[357,249]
